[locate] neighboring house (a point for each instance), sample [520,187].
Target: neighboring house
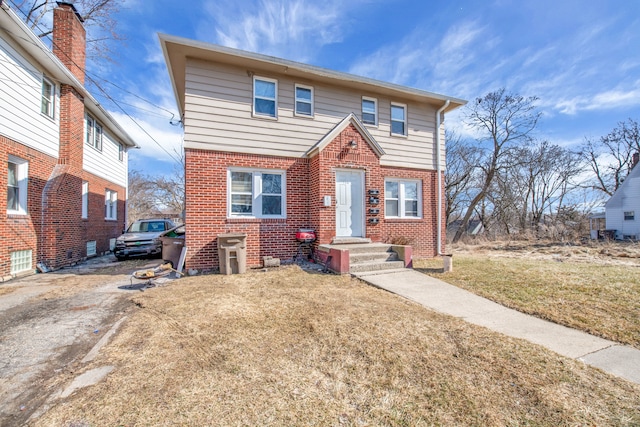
[272,146]
[66,157]
[622,211]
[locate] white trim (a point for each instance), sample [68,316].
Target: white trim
[51,111]
[21,261]
[401,198]
[111,205]
[375,105]
[330,136]
[22,176]
[275,100]
[85,199]
[405,122]
[256,195]
[295,101]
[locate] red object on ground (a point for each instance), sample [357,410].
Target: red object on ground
[306,235]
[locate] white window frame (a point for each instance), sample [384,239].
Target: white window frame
[48,101]
[404,122]
[401,198]
[304,101]
[120,152]
[111,205]
[375,112]
[274,100]
[256,193]
[93,132]
[629,215]
[22,176]
[85,200]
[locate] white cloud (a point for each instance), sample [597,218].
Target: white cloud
[291,29]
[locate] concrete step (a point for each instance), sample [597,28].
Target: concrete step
[375,266]
[364,248]
[356,258]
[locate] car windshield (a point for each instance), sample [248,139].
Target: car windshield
[146,227]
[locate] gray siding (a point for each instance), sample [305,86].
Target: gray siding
[218,116]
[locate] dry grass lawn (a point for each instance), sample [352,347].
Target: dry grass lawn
[593,287]
[288,347]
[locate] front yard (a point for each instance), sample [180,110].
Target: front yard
[593,287]
[288,347]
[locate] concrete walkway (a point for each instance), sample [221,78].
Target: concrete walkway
[611,357]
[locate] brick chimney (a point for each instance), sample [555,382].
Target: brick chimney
[69,38]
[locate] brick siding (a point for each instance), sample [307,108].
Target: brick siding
[308,180]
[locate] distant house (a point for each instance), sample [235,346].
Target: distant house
[622,210]
[273,146]
[66,157]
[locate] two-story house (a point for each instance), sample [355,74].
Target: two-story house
[66,157]
[273,146]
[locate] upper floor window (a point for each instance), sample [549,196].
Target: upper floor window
[258,194]
[369,111]
[111,204]
[17,173]
[265,97]
[47,106]
[304,100]
[402,198]
[629,215]
[120,152]
[398,119]
[94,133]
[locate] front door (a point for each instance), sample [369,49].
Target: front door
[349,203]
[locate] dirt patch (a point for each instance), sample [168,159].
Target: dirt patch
[48,324]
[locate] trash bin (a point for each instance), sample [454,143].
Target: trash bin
[232,253]
[172,244]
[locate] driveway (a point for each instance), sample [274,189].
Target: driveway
[50,322]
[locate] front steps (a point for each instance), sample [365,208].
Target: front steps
[366,257]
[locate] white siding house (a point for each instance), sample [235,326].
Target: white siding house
[623,208]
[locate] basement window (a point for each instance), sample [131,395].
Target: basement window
[21,261]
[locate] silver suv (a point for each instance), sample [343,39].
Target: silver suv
[142,238]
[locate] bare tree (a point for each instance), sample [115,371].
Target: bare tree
[98,16]
[150,196]
[462,158]
[503,121]
[611,156]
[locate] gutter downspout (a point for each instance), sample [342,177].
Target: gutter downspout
[439,178]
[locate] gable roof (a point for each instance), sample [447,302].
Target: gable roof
[615,201]
[177,49]
[337,129]
[23,37]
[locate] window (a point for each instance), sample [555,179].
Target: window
[265,97]
[21,261]
[48,98]
[258,194]
[85,199]
[94,133]
[111,205]
[629,215]
[120,152]
[369,111]
[398,119]
[17,173]
[304,101]
[402,199]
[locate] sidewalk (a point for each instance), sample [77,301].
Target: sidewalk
[611,357]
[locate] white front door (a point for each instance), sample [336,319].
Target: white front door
[349,203]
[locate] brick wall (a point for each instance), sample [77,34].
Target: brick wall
[308,180]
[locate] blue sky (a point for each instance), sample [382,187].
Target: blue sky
[580,58]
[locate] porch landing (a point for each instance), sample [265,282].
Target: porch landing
[358,256]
